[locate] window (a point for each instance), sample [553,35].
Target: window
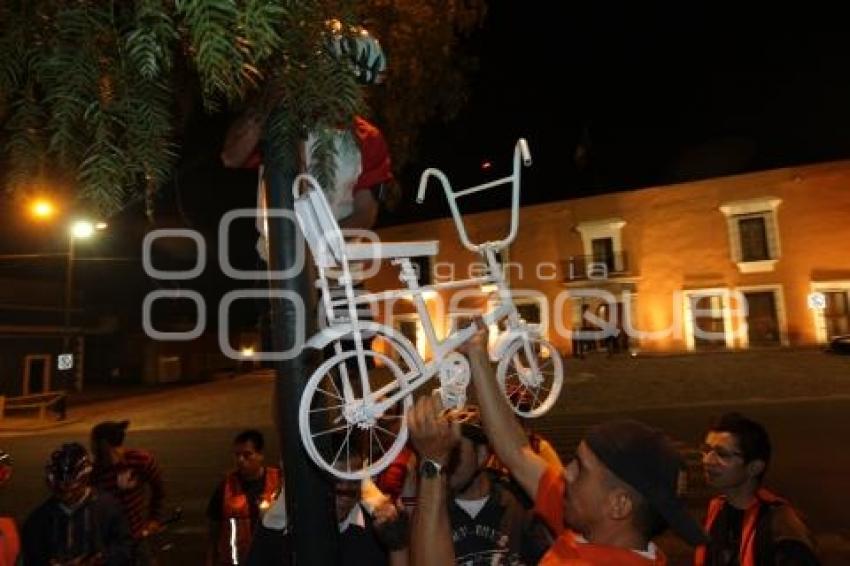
[708,319]
[603,246]
[603,252]
[762,319]
[753,238]
[753,234]
[834,318]
[529,312]
[709,330]
[532,307]
[837,313]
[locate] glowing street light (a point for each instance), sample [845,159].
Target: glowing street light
[79,230]
[42,209]
[82,229]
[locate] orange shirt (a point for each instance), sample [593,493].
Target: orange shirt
[10,545]
[568,549]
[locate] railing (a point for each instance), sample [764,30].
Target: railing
[38,401]
[598,267]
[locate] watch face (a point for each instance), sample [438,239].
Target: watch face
[429,469]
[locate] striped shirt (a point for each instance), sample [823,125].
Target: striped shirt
[128,481]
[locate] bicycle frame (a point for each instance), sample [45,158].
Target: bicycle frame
[450,343]
[364,408]
[487,250]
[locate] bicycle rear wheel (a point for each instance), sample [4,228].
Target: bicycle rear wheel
[354,439]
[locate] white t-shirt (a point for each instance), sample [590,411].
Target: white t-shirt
[472,507]
[340,196]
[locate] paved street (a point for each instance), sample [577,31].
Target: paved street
[190,430]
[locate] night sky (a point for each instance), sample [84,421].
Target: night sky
[651,93]
[654,93]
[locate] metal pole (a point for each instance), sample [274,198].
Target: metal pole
[69,287]
[309,498]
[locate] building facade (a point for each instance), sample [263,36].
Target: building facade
[754,260]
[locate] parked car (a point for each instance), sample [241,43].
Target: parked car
[840,344]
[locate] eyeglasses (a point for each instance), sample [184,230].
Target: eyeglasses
[723,455]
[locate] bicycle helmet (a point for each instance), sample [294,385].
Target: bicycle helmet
[362,51]
[68,465]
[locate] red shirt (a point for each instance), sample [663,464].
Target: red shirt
[10,545]
[374,155]
[568,550]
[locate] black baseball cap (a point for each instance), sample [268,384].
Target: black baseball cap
[646,459]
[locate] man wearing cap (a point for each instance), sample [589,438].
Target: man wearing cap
[133,477]
[749,525]
[619,491]
[487,523]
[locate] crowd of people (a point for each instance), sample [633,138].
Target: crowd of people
[475,486]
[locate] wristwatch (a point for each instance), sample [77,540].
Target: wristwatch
[430,469]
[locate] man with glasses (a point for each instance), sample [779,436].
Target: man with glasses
[748,525]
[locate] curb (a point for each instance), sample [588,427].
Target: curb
[31,425]
[747,401]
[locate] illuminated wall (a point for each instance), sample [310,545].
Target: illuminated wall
[677,243]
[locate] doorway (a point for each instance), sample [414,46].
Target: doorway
[762,319]
[36,374]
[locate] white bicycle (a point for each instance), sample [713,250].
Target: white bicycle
[355,402]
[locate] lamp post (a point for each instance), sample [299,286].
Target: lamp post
[80,229]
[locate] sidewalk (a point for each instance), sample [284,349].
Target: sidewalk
[595,385]
[82,404]
[601,384]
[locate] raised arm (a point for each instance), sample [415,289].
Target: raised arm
[434,437]
[504,432]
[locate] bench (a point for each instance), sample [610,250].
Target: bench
[39,401]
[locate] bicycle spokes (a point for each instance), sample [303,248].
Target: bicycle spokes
[531,375]
[351,437]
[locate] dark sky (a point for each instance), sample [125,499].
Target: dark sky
[657,93]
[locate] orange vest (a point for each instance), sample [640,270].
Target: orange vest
[237,528]
[747,556]
[10,545]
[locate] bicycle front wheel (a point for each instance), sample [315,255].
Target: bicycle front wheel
[531,375]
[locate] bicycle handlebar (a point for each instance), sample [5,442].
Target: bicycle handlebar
[522,156]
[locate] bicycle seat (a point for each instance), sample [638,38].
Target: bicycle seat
[326,240]
[391,250]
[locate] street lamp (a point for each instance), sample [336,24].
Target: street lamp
[42,209]
[79,230]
